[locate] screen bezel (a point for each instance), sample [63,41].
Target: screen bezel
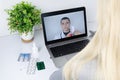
[43,15]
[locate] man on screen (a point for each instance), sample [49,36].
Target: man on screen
[67,29]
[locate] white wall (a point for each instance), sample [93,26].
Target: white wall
[47,6]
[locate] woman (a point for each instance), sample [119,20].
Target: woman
[104,48]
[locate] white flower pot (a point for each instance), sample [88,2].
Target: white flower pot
[27,37]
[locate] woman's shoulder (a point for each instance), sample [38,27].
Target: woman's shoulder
[87,72]
[57,75]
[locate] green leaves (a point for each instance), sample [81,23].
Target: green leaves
[22,17]
[24,12]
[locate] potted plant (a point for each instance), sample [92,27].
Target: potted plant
[22,18]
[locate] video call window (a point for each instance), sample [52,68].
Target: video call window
[64,25]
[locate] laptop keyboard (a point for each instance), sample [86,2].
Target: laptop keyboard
[69,48]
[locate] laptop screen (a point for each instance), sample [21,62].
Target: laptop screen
[64,25]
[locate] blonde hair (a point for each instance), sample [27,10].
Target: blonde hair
[104,47]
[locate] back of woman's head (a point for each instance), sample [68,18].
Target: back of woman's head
[109,30]
[105,45]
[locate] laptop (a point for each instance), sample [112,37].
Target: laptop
[65,33]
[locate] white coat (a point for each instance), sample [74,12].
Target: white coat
[61,35]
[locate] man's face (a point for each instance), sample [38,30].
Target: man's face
[65,25]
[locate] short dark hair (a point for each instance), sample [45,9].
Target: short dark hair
[64,19]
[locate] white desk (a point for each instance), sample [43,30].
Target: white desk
[10,48]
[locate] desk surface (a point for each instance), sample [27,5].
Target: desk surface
[10,48]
